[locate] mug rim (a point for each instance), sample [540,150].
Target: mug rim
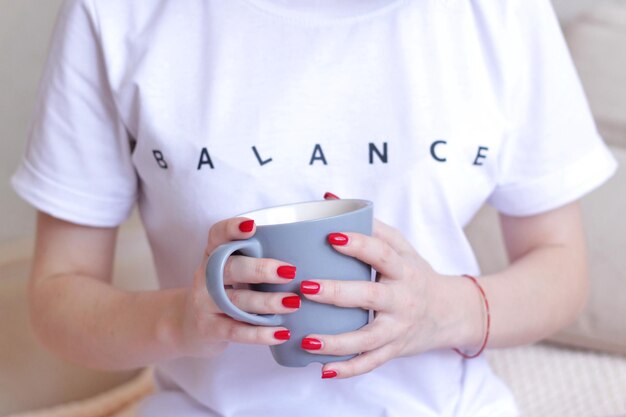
[364,204]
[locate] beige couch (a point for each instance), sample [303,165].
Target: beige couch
[548,380]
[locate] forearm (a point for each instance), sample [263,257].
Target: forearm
[79,315]
[94,324]
[538,294]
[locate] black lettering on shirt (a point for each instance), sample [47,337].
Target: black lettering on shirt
[480,155]
[318,155]
[258,157]
[159,158]
[381,156]
[205,159]
[433,150]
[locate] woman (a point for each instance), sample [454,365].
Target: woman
[198,110]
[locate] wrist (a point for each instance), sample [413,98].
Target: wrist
[169,331]
[459,309]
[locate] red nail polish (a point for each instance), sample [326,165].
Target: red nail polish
[282,335]
[309,343]
[286,271]
[329,374]
[309,287]
[292,301]
[330,196]
[246,226]
[338,239]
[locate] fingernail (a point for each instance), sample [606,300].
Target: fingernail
[246,226]
[330,196]
[292,301]
[309,343]
[329,374]
[286,271]
[309,287]
[282,335]
[338,239]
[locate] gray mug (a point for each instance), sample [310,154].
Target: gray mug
[297,234]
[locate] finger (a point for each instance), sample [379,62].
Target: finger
[384,231]
[393,237]
[360,365]
[248,270]
[364,294]
[236,331]
[373,251]
[264,302]
[368,338]
[227,230]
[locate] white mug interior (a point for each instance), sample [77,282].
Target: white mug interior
[300,212]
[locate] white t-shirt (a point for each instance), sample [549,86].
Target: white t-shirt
[202,109]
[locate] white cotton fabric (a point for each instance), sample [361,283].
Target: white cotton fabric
[198,110]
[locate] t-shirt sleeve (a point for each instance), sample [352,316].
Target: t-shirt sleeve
[77,165]
[553,153]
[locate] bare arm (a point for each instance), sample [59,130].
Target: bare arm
[546,285]
[78,314]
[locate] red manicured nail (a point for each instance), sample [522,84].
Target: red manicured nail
[282,335]
[330,196]
[309,343]
[338,239]
[292,301]
[286,271]
[309,287]
[246,226]
[329,374]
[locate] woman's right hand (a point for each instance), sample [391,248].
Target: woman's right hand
[206,330]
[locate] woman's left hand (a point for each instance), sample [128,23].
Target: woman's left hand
[410,314]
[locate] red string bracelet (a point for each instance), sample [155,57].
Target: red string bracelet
[487,327]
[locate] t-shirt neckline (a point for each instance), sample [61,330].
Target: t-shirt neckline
[272,8]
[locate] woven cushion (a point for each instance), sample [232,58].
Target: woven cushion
[558,382]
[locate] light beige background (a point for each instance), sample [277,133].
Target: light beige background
[25,27]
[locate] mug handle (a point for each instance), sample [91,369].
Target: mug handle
[215,282]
